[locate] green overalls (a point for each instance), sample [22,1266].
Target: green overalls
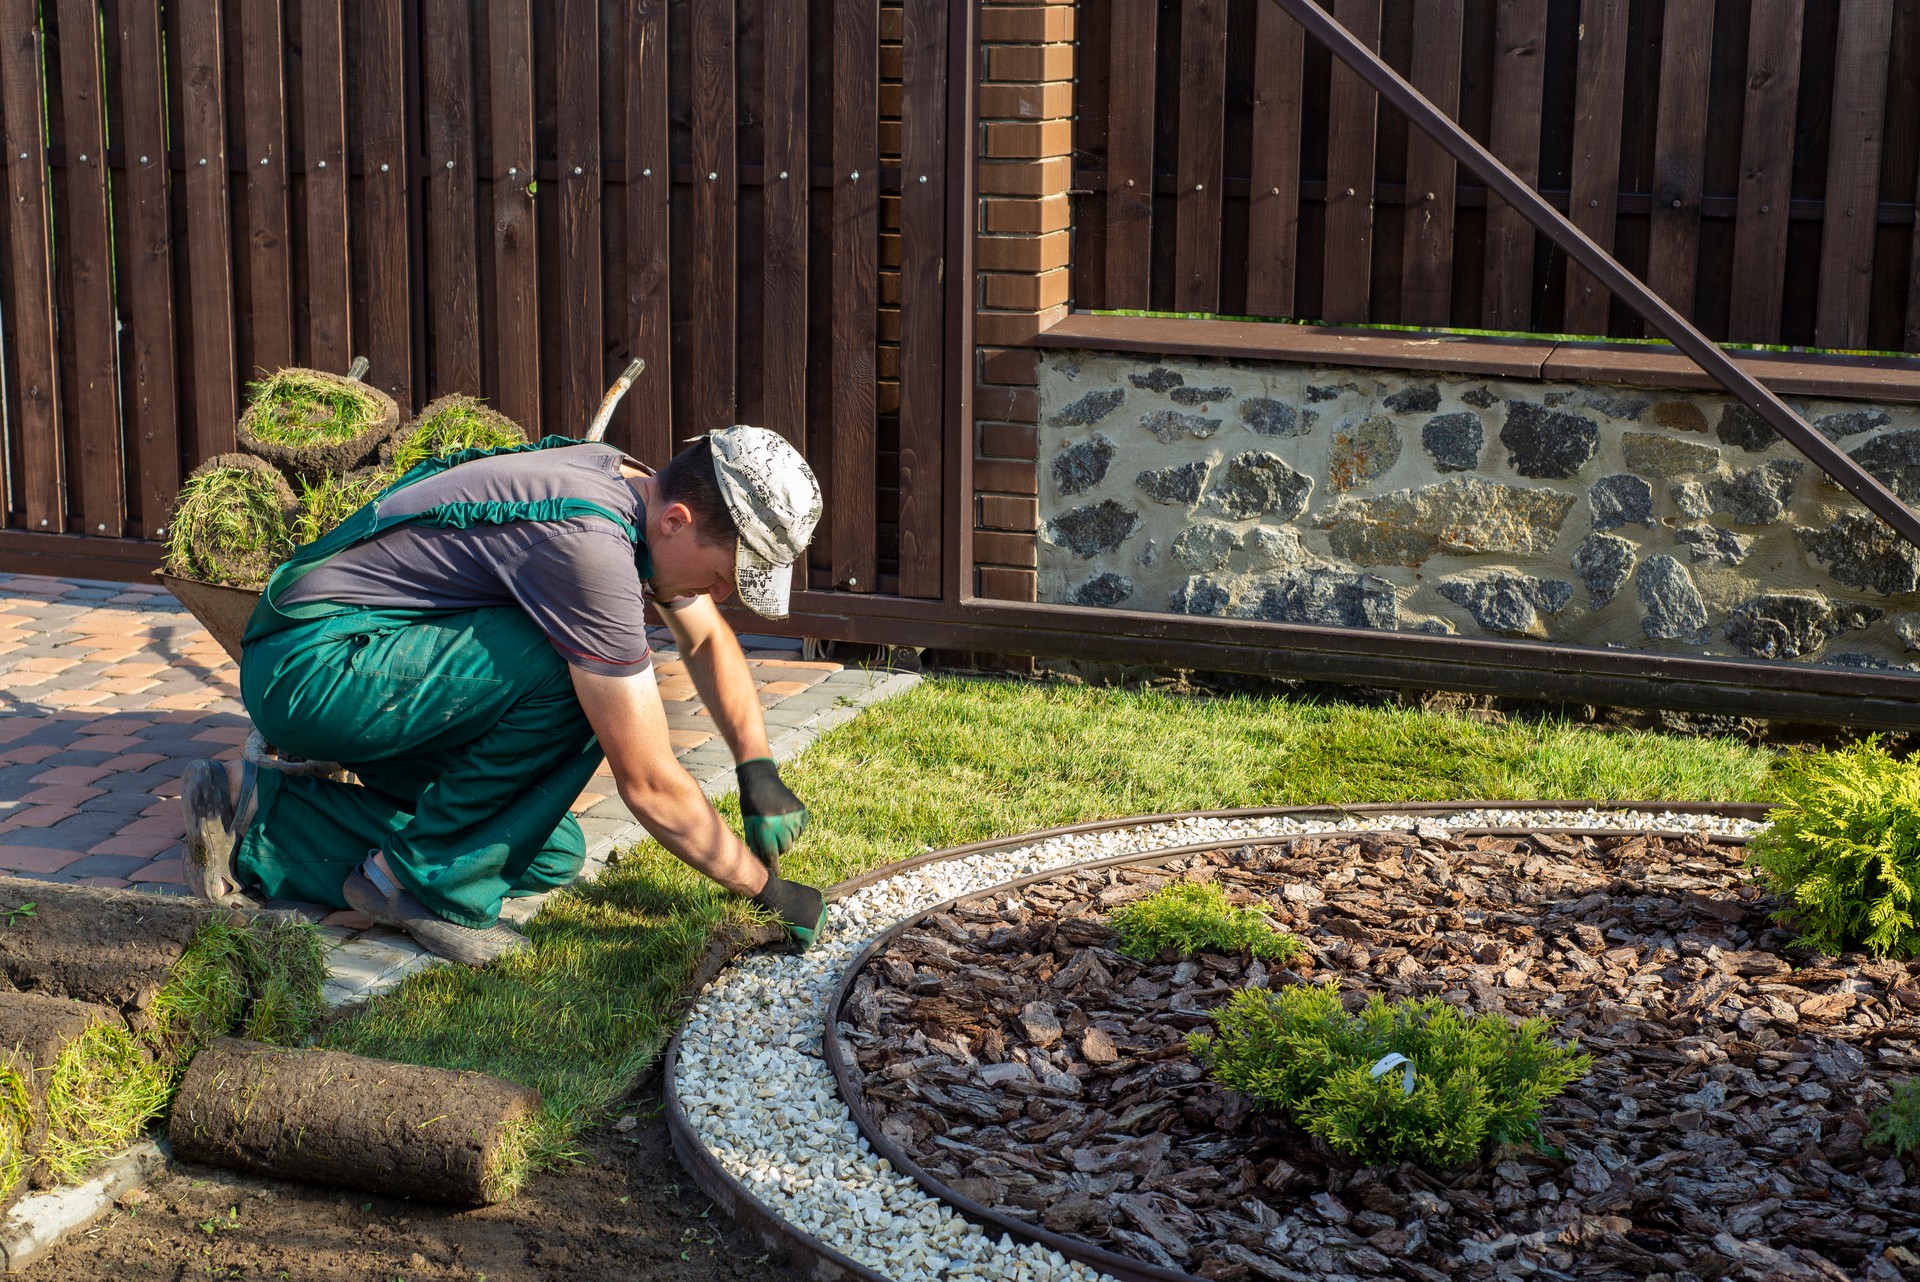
[462,726]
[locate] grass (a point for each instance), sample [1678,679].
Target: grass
[103,1091]
[1195,917]
[299,407]
[331,500]
[591,1005]
[229,523]
[16,1118]
[449,425]
[262,983]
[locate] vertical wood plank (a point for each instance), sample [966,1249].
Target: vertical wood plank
[1599,94]
[97,503]
[452,253]
[582,353]
[783,210]
[30,327]
[1202,177]
[516,258]
[269,262]
[1680,151]
[1426,269]
[1853,173]
[1273,211]
[389,302]
[203,136]
[856,223]
[1766,172]
[1353,110]
[711,203]
[1519,75]
[324,143]
[1133,53]
[649,258]
[923,229]
[150,386]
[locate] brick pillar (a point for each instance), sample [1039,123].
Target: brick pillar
[1026,140]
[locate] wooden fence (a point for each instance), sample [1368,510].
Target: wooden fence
[1756,163]
[501,197]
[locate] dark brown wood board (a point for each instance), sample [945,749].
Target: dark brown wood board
[786,174]
[201,57]
[516,249]
[649,253]
[1853,173]
[324,146]
[1134,39]
[387,204]
[1426,269]
[855,222]
[1599,94]
[269,258]
[1353,113]
[1680,152]
[30,328]
[1200,172]
[1520,36]
[581,355]
[1766,172]
[711,200]
[923,234]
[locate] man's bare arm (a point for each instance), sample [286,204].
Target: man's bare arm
[719,670]
[625,713]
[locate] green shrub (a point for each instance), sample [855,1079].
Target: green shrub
[1897,1122]
[1195,917]
[1844,850]
[1473,1079]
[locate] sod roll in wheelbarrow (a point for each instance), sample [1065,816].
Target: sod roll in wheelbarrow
[312,424]
[229,522]
[447,426]
[89,1088]
[332,1118]
[177,971]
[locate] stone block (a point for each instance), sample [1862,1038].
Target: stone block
[1269,417]
[1260,484]
[1176,486]
[1089,409]
[1083,465]
[1792,625]
[1459,515]
[1603,563]
[1759,495]
[1200,396]
[1620,499]
[1547,443]
[1705,542]
[1454,441]
[1326,598]
[1673,606]
[1171,425]
[1106,589]
[1508,602]
[1363,452]
[1205,545]
[1862,551]
[1895,460]
[1422,398]
[1655,454]
[1088,531]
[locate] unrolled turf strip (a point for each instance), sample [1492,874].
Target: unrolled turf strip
[333,1118]
[111,947]
[36,1028]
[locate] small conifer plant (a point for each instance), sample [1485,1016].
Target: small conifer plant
[1194,917]
[1412,1078]
[1897,1122]
[1844,850]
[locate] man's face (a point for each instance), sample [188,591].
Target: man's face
[684,563]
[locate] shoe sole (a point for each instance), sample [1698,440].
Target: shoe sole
[208,862]
[432,933]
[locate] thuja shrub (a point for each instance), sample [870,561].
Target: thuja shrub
[1897,1122]
[1843,850]
[1195,917]
[1466,1080]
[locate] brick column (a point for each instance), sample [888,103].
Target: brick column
[1026,139]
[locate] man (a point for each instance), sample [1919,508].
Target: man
[470,646]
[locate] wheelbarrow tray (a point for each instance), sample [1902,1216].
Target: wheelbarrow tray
[221,609]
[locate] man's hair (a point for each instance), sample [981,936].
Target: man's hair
[689,478]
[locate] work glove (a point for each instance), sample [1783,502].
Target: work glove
[771,815]
[802,909]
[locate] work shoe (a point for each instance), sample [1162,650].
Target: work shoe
[214,820]
[370,890]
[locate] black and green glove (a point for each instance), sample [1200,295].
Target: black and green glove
[801,909]
[772,816]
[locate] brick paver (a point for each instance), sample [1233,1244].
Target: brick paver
[108,690]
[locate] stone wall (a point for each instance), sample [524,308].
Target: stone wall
[1593,515]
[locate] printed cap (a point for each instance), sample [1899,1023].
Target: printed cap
[775,501]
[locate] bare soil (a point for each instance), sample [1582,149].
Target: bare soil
[626,1213]
[1017,1057]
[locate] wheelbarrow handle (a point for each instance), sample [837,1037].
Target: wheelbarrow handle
[597,430]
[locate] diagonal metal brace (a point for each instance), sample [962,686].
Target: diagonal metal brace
[1653,309]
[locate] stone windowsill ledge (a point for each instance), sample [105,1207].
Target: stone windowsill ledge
[1859,378]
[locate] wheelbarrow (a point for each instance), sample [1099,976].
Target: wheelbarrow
[224,610]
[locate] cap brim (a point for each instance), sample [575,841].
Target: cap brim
[763,585]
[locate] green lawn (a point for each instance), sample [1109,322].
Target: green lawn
[955,761]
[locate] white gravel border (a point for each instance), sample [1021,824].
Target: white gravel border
[757,1093]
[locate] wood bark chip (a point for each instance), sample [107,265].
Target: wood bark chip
[1021,1060]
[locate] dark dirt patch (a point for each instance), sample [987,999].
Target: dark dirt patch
[403,1129]
[1012,1052]
[627,1213]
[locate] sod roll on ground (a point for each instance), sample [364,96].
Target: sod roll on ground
[312,424]
[90,1088]
[332,1118]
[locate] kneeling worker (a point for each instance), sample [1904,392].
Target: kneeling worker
[471,645]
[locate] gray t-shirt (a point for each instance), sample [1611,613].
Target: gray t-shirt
[575,578]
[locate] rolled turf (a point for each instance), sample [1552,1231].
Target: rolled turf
[229,522]
[447,426]
[310,423]
[332,1118]
[177,971]
[91,1087]
[325,503]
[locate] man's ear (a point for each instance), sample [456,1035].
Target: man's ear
[675,517]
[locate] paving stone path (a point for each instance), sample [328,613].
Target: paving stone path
[108,690]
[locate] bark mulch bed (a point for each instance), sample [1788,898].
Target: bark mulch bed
[1009,1050]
